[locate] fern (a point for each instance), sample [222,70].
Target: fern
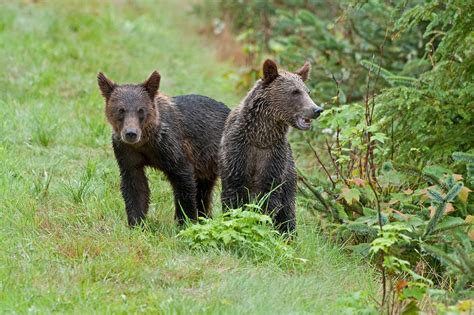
[445,258]
[463,157]
[392,79]
[415,15]
[435,196]
[468,158]
[440,209]
[441,202]
[453,192]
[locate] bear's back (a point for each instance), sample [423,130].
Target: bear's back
[203,123]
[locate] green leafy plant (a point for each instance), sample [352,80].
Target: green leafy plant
[469,160]
[243,231]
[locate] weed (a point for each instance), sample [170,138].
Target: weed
[78,189]
[43,132]
[41,183]
[244,231]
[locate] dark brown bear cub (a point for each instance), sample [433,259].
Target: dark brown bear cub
[255,157]
[179,136]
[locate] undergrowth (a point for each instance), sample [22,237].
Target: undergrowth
[243,231]
[388,170]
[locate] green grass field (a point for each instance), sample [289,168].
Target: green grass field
[64,243]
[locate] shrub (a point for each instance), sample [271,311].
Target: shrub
[242,231]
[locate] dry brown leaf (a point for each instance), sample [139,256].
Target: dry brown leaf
[449,208]
[401,284]
[432,211]
[358,182]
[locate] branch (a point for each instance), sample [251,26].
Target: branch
[321,163]
[318,196]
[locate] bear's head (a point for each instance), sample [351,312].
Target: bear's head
[288,96]
[130,108]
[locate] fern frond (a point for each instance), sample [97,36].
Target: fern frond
[449,261]
[435,196]
[453,192]
[440,209]
[463,157]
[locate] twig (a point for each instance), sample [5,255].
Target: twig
[392,149]
[318,196]
[321,163]
[334,162]
[338,129]
[379,216]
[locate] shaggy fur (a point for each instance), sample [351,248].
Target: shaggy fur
[179,136]
[255,157]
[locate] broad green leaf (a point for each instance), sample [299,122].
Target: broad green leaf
[350,195]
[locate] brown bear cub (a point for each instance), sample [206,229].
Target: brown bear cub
[255,158]
[179,136]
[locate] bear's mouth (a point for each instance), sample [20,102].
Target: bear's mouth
[128,141]
[303,123]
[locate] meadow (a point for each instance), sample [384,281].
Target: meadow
[65,245]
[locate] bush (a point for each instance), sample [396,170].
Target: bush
[244,232]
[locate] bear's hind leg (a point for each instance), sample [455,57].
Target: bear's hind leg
[204,196]
[184,189]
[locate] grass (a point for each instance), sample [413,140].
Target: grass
[65,245]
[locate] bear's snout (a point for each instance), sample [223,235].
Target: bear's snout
[317,112]
[131,135]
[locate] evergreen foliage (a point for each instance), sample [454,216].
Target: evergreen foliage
[397,153]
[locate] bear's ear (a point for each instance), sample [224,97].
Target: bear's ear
[152,84]
[270,71]
[106,85]
[304,71]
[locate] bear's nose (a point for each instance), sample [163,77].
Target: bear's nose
[131,134]
[317,112]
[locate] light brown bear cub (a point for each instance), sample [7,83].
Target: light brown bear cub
[255,156]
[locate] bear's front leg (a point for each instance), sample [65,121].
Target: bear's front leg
[136,193]
[232,167]
[270,184]
[285,218]
[234,194]
[134,183]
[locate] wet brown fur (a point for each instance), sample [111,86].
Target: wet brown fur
[255,156]
[179,136]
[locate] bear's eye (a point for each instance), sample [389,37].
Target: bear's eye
[296,92]
[121,110]
[141,111]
